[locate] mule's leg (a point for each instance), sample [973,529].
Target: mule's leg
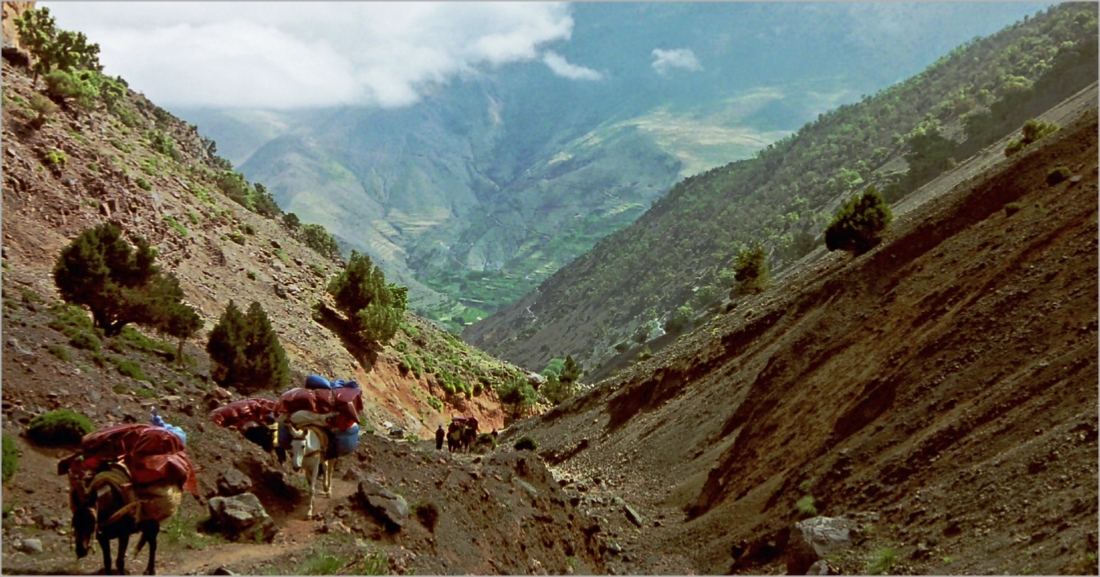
[327,466]
[105,546]
[311,482]
[123,544]
[151,530]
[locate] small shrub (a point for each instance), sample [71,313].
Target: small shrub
[249,230]
[143,184]
[525,443]
[59,428]
[375,563]
[645,354]
[176,226]
[806,507]
[1057,175]
[144,393]
[10,457]
[131,369]
[236,237]
[120,389]
[61,352]
[56,158]
[124,147]
[93,167]
[251,275]
[435,404]
[1012,208]
[194,218]
[882,561]
[427,513]
[30,296]
[321,563]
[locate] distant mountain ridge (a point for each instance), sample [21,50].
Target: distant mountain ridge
[634,279]
[495,181]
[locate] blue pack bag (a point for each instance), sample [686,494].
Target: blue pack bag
[347,441]
[317,382]
[342,384]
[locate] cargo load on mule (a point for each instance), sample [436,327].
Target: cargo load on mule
[150,454]
[254,418]
[331,406]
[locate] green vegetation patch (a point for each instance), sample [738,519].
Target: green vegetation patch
[176,226]
[10,458]
[59,428]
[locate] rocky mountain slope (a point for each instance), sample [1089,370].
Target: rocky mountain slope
[83,168]
[679,253]
[939,392]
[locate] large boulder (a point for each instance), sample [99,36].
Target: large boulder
[387,506]
[814,539]
[233,482]
[242,517]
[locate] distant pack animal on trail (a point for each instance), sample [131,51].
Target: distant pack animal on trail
[309,451]
[111,506]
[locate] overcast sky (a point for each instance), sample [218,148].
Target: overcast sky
[305,54]
[293,54]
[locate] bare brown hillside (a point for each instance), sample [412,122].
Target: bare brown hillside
[218,249]
[940,389]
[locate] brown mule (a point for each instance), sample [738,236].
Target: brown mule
[110,507]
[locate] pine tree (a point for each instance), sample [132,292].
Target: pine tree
[858,223]
[118,283]
[246,351]
[751,270]
[374,308]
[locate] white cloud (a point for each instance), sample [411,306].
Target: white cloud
[676,58]
[563,68]
[291,54]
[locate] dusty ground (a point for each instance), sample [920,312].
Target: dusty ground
[941,389]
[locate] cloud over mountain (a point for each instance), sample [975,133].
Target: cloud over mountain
[274,55]
[563,68]
[666,60]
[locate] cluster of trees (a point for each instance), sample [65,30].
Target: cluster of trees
[374,309]
[122,284]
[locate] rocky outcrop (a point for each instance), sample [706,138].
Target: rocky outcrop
[242,517]
[10,11]
[390,508]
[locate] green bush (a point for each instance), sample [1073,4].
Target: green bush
[1033,130]
[1012,208]
[1058,174]
[84,340]
[435,404]
[806,507]
[56,157]
[882,561]
[131,369]
[679,320]
[143,184]
[61,352]
[525,443]
[59,428]
[750,270]
[176,226]
[10,458]
[858,223]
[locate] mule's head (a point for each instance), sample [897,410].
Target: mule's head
[85,521]
[297,446]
